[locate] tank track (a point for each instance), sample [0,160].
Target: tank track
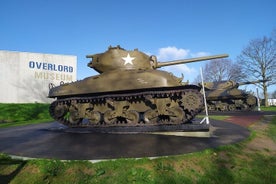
[166,106]
[243,104]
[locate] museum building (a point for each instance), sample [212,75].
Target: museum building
[25,76]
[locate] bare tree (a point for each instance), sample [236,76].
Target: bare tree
[220,70]
[258,61]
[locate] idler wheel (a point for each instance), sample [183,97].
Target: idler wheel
[251,100]
[60,111]
[191,100]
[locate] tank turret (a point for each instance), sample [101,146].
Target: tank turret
[128,93]
[118,58]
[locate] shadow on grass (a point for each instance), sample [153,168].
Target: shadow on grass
[13,167]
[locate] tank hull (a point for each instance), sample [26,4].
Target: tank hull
[119,80]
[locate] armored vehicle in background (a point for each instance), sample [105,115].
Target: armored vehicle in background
[128,92]
[225,96]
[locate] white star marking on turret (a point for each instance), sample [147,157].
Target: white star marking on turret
[128,59]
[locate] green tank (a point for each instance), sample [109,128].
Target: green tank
[128,92]
[225,96]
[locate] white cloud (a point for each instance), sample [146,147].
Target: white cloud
[182,68]
[171,53]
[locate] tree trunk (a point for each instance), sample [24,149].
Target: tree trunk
[265,94]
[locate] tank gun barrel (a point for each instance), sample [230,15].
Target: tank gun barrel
[251,82]
[182,61]
[90,56]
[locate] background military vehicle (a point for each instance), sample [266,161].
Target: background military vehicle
[225,96]
[128,92]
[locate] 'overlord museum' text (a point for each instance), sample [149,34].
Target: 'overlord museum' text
[53,71]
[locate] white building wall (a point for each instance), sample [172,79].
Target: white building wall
[272,102]
[25,76]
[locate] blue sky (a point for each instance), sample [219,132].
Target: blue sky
[170,29]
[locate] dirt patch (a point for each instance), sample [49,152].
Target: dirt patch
[244,121]
[261,143]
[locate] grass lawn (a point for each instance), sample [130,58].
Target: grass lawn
[271,108]
[23,114]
